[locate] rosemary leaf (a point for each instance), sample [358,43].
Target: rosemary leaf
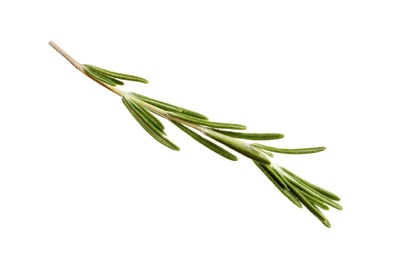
[153,120]
[117,82]
[100,77]
[276,176]
[157,103]
[243,148]
[265,152]
[144,122]
[146,117]
[291,151]
[203,122]
[252,136]
[311,207]
[318,189]
[327,223]
[191,113]
[286,192]
[170,107]
[117,74]
[315,201]
[212,146]
[308,190]
[155,133]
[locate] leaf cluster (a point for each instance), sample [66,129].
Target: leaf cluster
[214,134]
[219,137]
[111,78]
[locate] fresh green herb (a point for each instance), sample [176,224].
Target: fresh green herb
[93,70]
[145,109]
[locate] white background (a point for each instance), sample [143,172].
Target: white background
[79,178]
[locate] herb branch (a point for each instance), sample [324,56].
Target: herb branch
[145,110]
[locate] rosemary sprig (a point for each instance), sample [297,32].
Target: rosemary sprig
[200,128]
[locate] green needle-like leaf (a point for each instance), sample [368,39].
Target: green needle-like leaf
[146,117]
[100,77]
[212,146]
[327,223]
[170,107]
[291,151]
[252,136]
[265,152]
[315,201]
[276,176]
[154,132]
[152,119]
[104,76]
[243,148]
[117,74]
[315,194]
[312,208]
[203,122]
[159,104]
[117,82]
[318,189]
[194,114]
[286,192]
